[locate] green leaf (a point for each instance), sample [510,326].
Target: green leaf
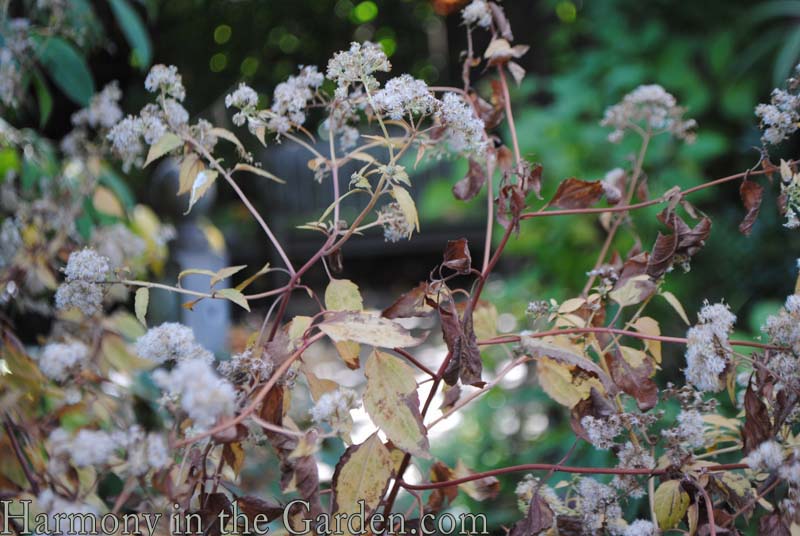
[165,144]
[343,295]
[44,98]
[141,300]
[66,67]
[134,30]
[235,296]
[393,404]
[670,503]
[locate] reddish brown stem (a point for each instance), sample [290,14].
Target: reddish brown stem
[556,468]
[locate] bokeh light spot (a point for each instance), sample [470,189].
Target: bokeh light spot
[249,66]
[566,11]
[365,11]
[222,34]
[218,62]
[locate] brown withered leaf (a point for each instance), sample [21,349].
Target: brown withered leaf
[459,335]
[539,518]
[501,21]
[569,526]
[576,193]
[595,405]
[773,525]
[409,305]
[510,204]
[253,507]
[505,158]
[634,380]
[451,396]
[531,178]
[757,427]
[482,489]
[663,254]
[500,52]
[212,505]
[490,113]
[457,256]
[471,184]
[441,497]
[752,194]
[272,407]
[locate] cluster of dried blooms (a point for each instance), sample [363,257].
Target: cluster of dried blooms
[183,422]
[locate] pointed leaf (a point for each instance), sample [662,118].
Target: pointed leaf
[258,171]
[224,273]
[367,329]
[166,143]
[140,302]
[343,295]
[235,296]
[204,180]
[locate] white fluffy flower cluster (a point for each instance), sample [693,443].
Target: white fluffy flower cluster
[613,183]
[631,456]
[245,99]
[530,485]
[768,456]
[291,98]
[598,505]
[477,13]
[403,95]
[86,448]
[60,360]
[689,432]
[204,396]
[602,432]
[708,350]
[154,120]
[652,108]
[357,65]
[146,451]
[171,341]
[167,80]
[783,329]
[16,44]
[244,367]
[465,130]
[790,196]
[85,271]
[334,408]
[103,110]
[779,119]
[118,244]
[640,527]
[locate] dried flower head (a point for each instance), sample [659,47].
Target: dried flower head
[768,456]
[203,396]
[652,109]
[598,505]
[334,409]
[103,110]
[477,13]
[395,225]
[60,360]
[171,341]
[708,351]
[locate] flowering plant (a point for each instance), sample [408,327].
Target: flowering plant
[155,413]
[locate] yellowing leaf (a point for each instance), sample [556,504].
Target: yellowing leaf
[571,305]
[649,326]
[235,296]
[561,384]
[392,403]
[349,351]
[228,135]
[673,301]
[407,206]
[224,273]
[361,477]
[316,385]
[190,167]
[343,295]
[204,180]
[247,282]
[539,348]
[481,489]
[258,171]
[670,503]
[633,291]
[367,329]
[165,144]
[107,203]
[140,302]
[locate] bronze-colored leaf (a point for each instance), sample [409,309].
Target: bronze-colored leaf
[441,497]
[265,510]
[634,380]
[773,525]
[757,427]
[575,193]
[471,184]
[662,255]
[457,256]
[409,305]
[539,518]
[751,193]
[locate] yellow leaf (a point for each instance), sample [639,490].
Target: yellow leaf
[673,301]
[649,326]
[107,203]
[349,351]
[343,295]
[361,478]
[670,503]
[258,171]
[407,206]
[202,183]
[571,305]
[224,273]
[165,144]
[367,329]
[560,384]
[190,167]
[140,302]
[392,403]
[228,135]
[235,296]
